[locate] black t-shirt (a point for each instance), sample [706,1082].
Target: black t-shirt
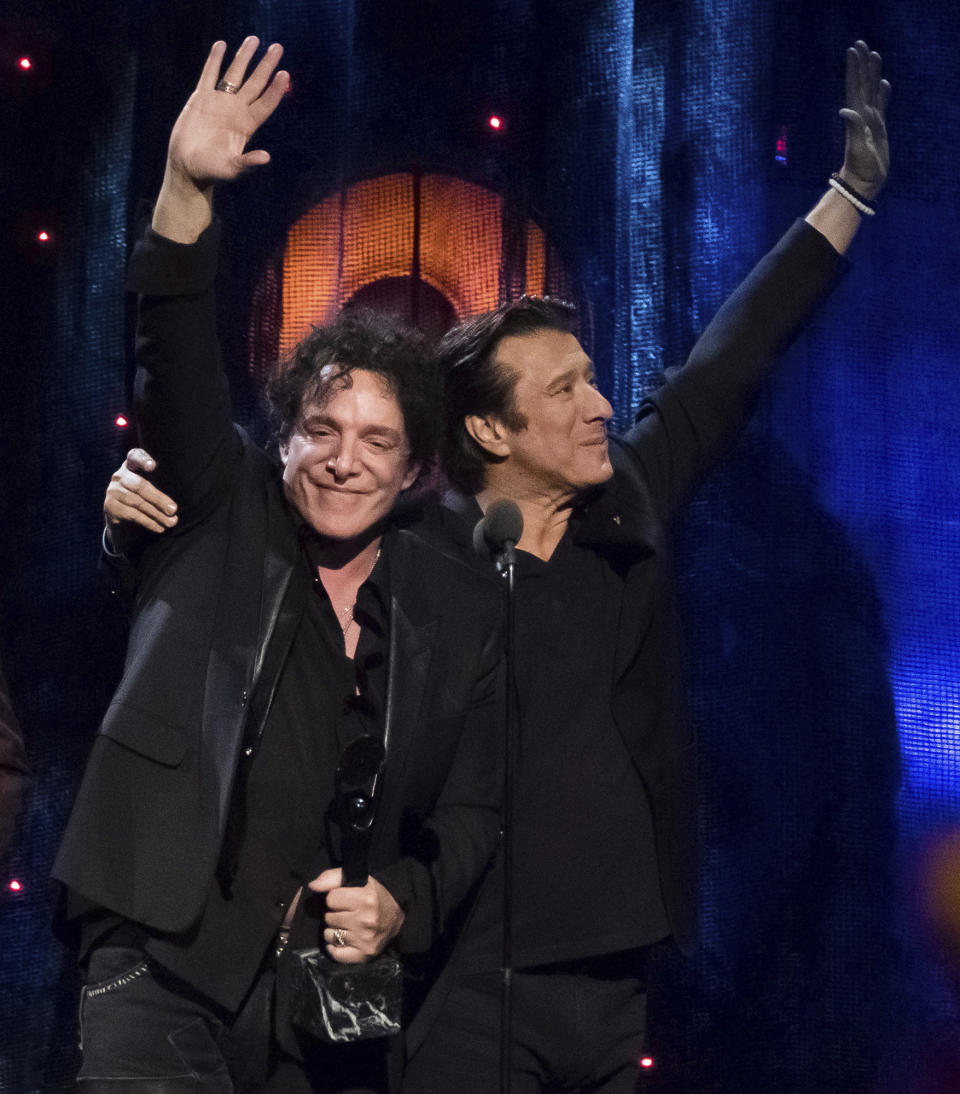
[585,869]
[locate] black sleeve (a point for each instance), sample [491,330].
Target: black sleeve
[462,831]
[181,394]
[688,423]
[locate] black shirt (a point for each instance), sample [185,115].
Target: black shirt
[585,869]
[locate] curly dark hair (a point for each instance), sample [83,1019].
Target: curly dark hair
[476,383]
[362,339]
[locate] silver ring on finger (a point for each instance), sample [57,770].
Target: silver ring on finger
[339,937]
[229,88]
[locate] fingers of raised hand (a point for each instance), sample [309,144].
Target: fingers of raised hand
[261,75]
[237,68]
[248,90]
[211,67]
[864,85]
[867,94]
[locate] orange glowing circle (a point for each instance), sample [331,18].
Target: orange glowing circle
[366,234]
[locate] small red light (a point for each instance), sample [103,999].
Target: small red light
[24,64]
[15,886]
[646,1061]
[43,237]
[495,122]
[781,154]
[121,421]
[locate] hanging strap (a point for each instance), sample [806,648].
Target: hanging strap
[283,934]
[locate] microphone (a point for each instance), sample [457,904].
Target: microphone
[501,527]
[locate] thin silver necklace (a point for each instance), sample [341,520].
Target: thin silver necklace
[347,612]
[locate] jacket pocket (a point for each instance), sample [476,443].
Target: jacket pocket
[145,733]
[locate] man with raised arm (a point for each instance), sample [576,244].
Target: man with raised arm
[282,618]
[604,811]
[604,861]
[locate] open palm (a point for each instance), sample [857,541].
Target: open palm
[866,160]
[209,140]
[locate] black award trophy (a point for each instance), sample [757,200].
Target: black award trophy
[326,998]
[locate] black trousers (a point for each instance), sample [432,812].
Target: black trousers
[572,1031]
[144,1031]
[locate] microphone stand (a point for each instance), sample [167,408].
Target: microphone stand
[496,535]
[506,565]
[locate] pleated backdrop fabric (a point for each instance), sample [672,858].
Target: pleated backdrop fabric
[650,152]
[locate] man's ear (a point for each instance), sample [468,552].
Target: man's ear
[488,433]
[411,476]
[284,453]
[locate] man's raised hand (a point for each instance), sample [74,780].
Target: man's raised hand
[208,143]
[209,140]
[866,160]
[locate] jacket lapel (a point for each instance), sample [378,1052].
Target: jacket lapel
[412,635]
[252,594]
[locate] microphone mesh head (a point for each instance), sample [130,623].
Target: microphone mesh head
[502,524]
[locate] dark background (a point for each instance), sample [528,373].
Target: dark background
[820,562]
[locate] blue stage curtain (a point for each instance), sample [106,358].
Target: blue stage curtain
[819,564]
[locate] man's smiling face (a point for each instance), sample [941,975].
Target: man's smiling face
[348,458]
[562,448]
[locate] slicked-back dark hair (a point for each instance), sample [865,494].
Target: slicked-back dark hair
[476,383]
[362,339]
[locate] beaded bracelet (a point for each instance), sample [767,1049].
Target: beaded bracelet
[855,199]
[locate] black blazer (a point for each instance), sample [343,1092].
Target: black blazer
[146,830]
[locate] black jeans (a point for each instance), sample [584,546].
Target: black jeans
[141,1030]
[144,1031]
[571,1031]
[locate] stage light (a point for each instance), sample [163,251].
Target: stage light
[646,1062]
[780,156]
[44,236]
[121,421]
[24,64]
[495,122]
[14,886]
